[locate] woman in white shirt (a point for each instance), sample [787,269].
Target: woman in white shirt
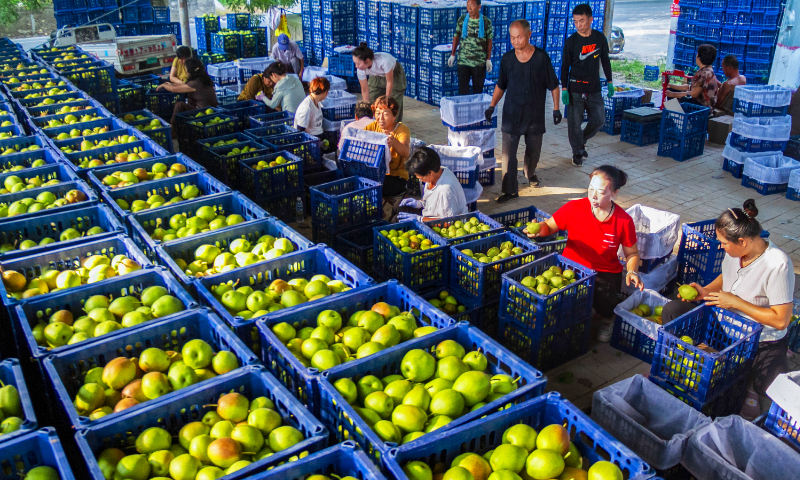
[757,281]
[308,116]
[287,94]
[443,195]
[386,76]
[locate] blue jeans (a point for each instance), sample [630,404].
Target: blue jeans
[578,103]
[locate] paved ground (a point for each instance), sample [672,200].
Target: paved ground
[645,24]
[697,189]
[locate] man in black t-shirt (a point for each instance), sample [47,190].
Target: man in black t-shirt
[584,52]
[526,74]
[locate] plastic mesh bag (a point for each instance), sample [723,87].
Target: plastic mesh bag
[763,128]
[648,297]
[650,421]
[774,169]
[473,194]
[485,139]
[732,448]
[735,155]
[656,230]
[794,179]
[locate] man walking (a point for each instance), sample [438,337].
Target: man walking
[474,32]
[584,52]
[526,74]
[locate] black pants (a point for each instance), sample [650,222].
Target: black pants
[393,186]
[607,287]
[770,358]
[533,150]
[478,76]
[578,103]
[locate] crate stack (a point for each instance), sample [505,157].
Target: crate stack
[754,149]
[308,27]
[683,133]
[625,98]
[405,41]
[243,38]
[747,29]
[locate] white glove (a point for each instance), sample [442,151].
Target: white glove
[489,65]
[408,217]
[411,202]
[451,60]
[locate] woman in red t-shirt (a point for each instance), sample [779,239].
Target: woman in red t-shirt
[597,227]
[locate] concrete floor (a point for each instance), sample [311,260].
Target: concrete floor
[697,189]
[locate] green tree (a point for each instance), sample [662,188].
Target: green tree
[253,6]
[10,9]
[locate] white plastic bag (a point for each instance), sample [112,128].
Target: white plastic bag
[648,420]
[763,128]
[766,95]
[656,279]
[648,297]
[737,156]
[656,231]
[473,194]
[485,139]
[459,159]
[794,179]
[465,109]
[785,392]
[774,169]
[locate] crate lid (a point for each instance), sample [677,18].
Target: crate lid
[642,114]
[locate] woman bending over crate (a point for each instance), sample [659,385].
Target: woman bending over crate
[199,89]
[387,121]
[757,281]
[288,92]
[443,195]
[597,227]
[386,76]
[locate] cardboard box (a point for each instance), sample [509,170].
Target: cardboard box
[719,128]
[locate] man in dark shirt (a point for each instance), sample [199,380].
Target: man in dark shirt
[526,74]
[584,52]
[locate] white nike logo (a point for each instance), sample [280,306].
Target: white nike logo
[584,56]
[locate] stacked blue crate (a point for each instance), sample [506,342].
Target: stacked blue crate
[437,25]
[338,24]
[373,25]
[317,45]
[405,39]
[500,16]
[308,28]
[536,15]
[598,12]
[559,17]
[385,24]
[361,21]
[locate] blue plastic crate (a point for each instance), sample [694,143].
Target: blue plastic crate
[748,144]
[494,227]
[131,96]
[545,352]
[27,314]
[269,182]
[306,263]
[69,257]
[185,248]
[55,171]
[206,25]
[681,148]
[640,134]
[162,136]
[735,169]
[146,15]
[270,129]
[483,435]
[703,375]
[363,159]
[194,133]
[762,187]
[549,244]
[419,270]
[11,374]
[161,103]
[251,382]
[226,167]
[304,382]
[759,54]
[763,36]
[167,188]
[346,424]
[793,193]
[542,315]
[303,145]
[143,223]
[66,370]
[53,224]
[75,158]
[482,282]
[268,118]
[783,426]
[651,73]
[726,403]
[482,125]
[20,142]
[96,176]
[160,14]
[130,14]
[356,245]
[39,448]
[733,34]
[64,18]
[59,190]
[628,339]
[347,203]
[344,459]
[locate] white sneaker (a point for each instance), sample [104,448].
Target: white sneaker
[605,330]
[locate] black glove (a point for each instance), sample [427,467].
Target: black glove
[557,116]
[489,111]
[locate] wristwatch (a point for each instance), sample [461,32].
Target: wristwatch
[635,273]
